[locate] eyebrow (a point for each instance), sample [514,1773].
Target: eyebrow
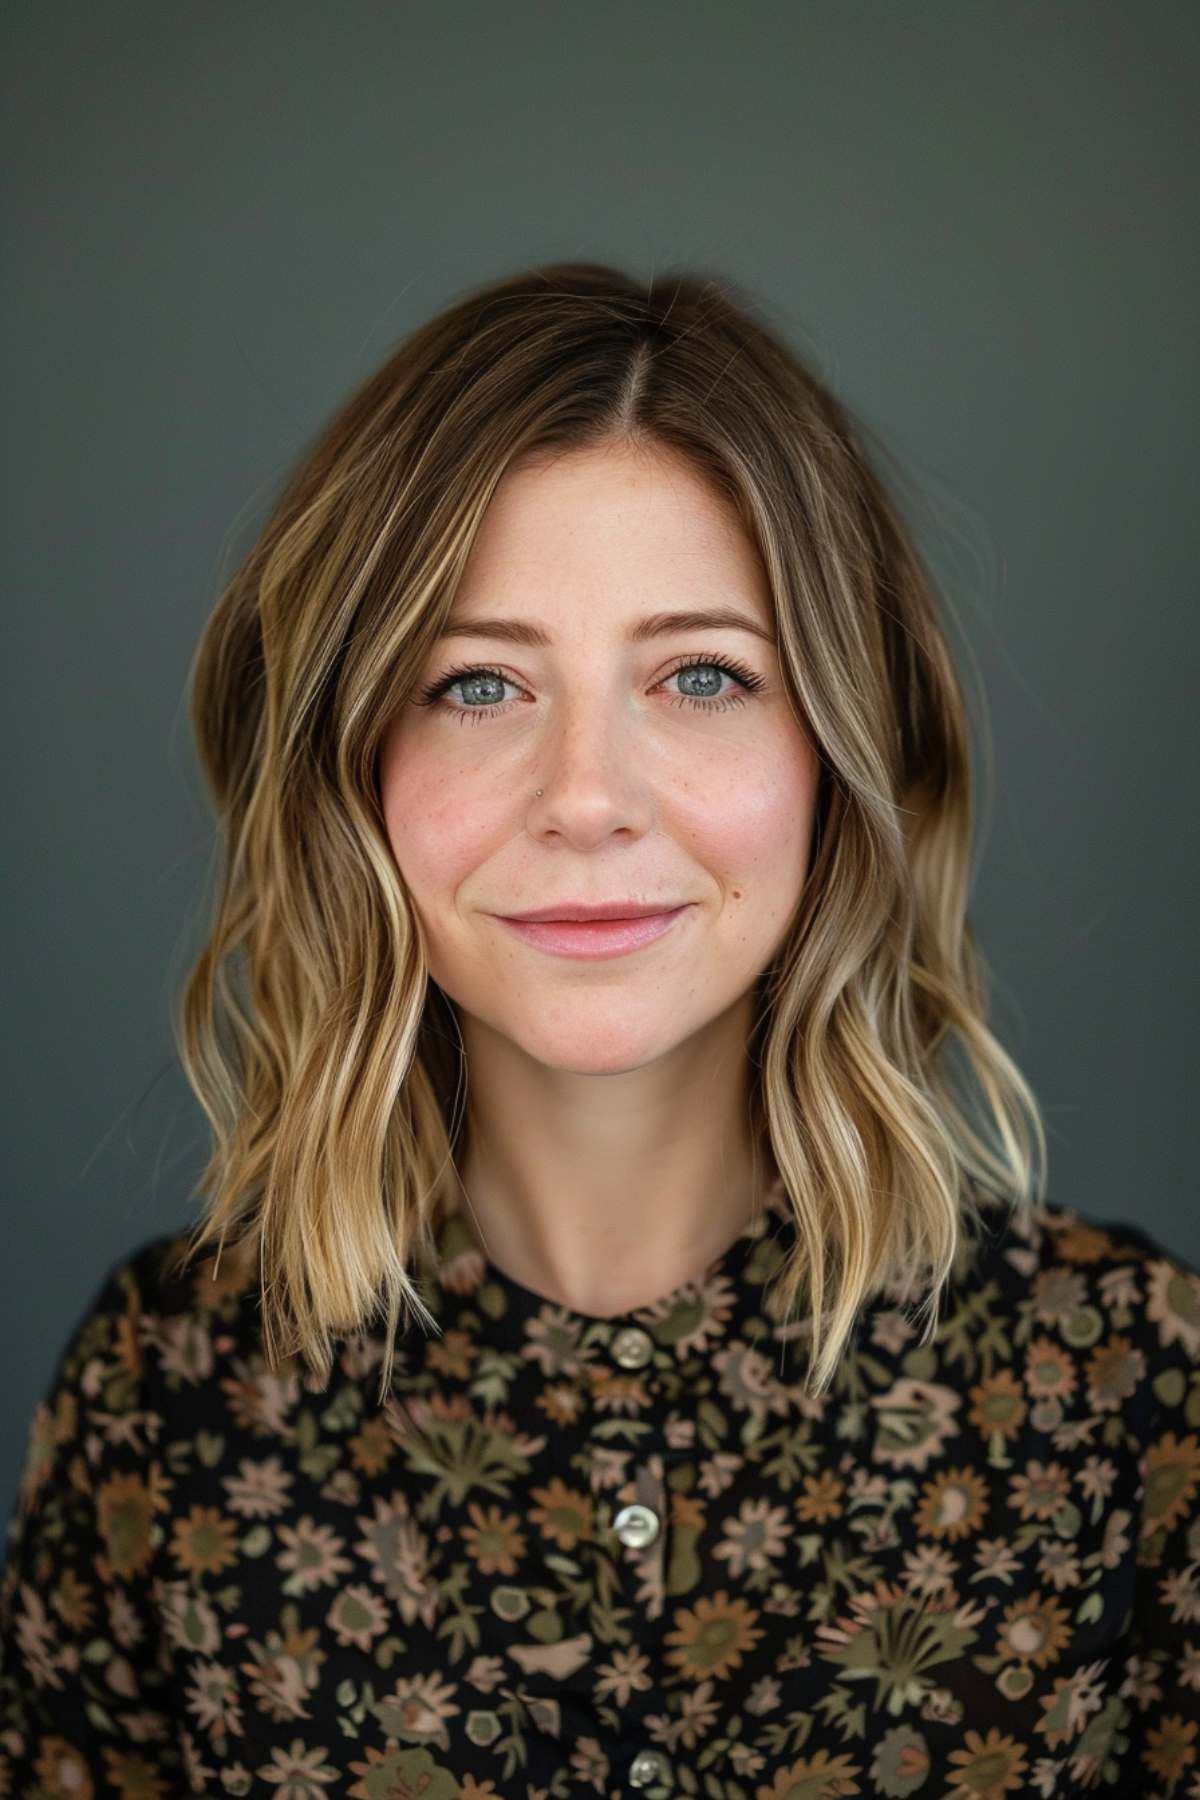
[535,636]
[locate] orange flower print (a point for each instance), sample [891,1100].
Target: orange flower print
[1172,1472]
[617,1392]
[205,1543]
[998,1405]
[1049,1370]
[1082,1243]
[1034,1631]
[562,1513]
[1114,1370]
[124,1505]
[687,1512]
[713,1636]
[61,1771]
[988,1768]
[494,1540]
[1039,1491]
[560,1403]
[953,1504]
[1170,1748]
[372,1446]
[133,1776]
[822,1498]
[452,1354]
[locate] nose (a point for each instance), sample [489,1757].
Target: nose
[589,780]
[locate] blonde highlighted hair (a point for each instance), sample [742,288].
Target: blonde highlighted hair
[325,1057]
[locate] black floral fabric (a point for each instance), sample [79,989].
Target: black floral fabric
[573,1556]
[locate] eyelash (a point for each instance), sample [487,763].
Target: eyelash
[748,680]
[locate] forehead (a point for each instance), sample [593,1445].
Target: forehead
[616,529]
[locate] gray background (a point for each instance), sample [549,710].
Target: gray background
[978,221]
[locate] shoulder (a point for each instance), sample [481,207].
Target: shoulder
[143,1354]
[1120,1307]
[156,1315]
[1071,1259]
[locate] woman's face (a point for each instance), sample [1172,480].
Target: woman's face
[664,780]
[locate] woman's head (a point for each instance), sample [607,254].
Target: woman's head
[573,448]
[580,736]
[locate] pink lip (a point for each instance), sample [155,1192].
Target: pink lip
[594,938]
[581,910]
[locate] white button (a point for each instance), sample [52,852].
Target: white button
[636,1526]
[648,1766]
[632,1347]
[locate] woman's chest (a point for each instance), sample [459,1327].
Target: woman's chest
[565,1588]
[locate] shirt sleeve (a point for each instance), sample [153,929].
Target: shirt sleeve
[82,1676]
[1163,1682]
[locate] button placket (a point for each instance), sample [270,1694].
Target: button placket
[640,1525]
[633,1513]
[636,1535]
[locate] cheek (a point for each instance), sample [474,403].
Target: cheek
[752,818]
[439,826]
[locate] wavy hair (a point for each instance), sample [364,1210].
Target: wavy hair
[325,1056]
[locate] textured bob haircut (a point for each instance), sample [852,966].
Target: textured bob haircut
[327,1059]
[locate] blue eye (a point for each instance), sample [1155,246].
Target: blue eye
[489,680]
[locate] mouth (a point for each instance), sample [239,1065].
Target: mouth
[595,938]
[584,911]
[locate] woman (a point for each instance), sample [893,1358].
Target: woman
[633,1353]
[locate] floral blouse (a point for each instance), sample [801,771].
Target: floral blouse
[573,1556]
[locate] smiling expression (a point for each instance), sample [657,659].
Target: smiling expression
[673,770]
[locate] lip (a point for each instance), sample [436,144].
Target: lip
[594,939]
[581,910]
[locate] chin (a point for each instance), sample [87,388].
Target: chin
[589,1052]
